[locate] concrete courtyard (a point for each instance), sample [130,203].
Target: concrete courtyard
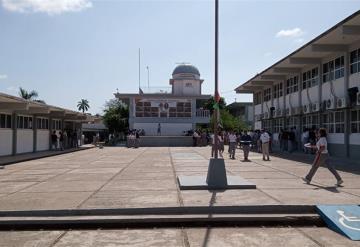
[116,177]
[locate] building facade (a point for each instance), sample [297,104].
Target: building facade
[315,86]
[26,126]
[169,113]
[242,110]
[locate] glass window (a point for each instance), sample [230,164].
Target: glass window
[2,121]
[9,122]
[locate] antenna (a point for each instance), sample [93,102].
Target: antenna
[139,69]
[183,63]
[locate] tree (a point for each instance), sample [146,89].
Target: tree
[209,104]
[83,105]
[229,122]
[116,116]
[32,95]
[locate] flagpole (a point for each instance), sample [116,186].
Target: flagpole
[139,71]
[216,94]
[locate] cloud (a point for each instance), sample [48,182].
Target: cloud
[291,33]
[2,77]
[51,7]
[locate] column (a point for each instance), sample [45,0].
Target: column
[34,133]
[14,128]
[347,109]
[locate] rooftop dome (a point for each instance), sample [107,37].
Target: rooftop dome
[186,69]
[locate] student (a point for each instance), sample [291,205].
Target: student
[137,139]
[265,139]
[61,141]
[54,140]
[232,145]
[245,142]
[322,158]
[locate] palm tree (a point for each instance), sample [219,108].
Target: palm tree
[83,105]
[28,95]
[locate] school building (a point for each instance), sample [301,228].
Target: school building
[169,111]
[26,126]
[315,86]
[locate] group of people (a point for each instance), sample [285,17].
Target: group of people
[64,139]
[133,138]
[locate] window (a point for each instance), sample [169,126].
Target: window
[257,98]
[56,124]
[278,125]
[333,69]
[355,121]
[310,121]
[310,78]
[42,123]
[292,122]
[266,124]
[355,61]
[267,94]
[5,121]
[278,90]
[24,122]
[333,122]
[292,85]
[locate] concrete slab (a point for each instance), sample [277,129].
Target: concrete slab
[110,238]
[132,199]
[9,187]
[265,174]
[51,200]
[146,184]
[285,183]
[145,175]
[83,177]
[41,171]
[29,238]
[312,196]
[18,178]
[96,170]
[199,183]
[226,198]
[68,186]
[327,237]
[262,237]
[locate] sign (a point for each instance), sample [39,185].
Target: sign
[344,219]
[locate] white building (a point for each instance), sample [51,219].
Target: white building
[25,126]
[173,112]
[315,86]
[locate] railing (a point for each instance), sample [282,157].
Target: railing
[156,90]
[202,113]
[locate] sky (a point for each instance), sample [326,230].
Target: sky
[69,50]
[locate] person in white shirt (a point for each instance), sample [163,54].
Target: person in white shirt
[322,158]
[232,144]
[265,139]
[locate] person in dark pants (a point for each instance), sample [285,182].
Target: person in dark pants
[54,140]
[245,142]
[137,139]
[322,158]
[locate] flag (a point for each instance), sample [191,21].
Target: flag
[216,106]
[217,97]
[141,91]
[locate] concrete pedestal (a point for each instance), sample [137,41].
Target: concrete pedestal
[216,179]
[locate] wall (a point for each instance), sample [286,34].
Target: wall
[166,128]
[168,141]
[180,87]
[43,137]
[24,141]
[6,136]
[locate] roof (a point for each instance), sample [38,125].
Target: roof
[23,106]
[164,96]
[336,39]
[186,69]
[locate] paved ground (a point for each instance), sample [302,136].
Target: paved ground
[146,177]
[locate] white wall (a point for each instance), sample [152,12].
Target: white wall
[336,138]
[338,89]
[258,109]
[180,87]
[166,128]
[24,141]
[354,139]
[354,80]
[313,94]
[42,140]
[6,142]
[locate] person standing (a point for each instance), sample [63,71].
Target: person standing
[137,139]
[232,145]
[159,129]
[61,141]
[322,158]
[245,142]
[54,140]
[265,139]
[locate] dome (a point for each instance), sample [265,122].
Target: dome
[186,69]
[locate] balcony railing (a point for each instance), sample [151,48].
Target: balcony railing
[202,113]
[156,90]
